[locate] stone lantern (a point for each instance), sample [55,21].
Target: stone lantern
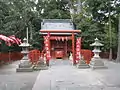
[96,61]
[25,64]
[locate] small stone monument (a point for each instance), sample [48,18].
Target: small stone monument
[41,64]
[25,64]
[82,64]
[71,57]
[96,62]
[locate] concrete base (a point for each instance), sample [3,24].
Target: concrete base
[24,66]
[24,69]
[41,66]
[97,63]
[82,65]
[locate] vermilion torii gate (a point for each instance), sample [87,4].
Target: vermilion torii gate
[59,39]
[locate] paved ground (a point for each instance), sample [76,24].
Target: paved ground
[63,76]
[10,80]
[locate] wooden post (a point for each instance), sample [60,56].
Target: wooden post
[66,49]
[73,48]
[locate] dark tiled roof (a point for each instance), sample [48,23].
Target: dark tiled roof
[57,24]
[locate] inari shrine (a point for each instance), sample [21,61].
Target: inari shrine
[59,39]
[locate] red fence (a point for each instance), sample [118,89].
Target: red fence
[11,56]
[34,56]
[87,54]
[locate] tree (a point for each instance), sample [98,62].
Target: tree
[118,52]
[4,11]
[55,9]
[96,14]
[84,21]
[17,15]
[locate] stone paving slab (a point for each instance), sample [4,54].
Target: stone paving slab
[12,80]
[63,76]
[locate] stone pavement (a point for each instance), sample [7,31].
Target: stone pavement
[12,80]
[63,76]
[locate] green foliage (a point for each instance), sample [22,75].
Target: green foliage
[17,15]
[93,20]
[56,9]
[89,30]
[107,38]
[4,47]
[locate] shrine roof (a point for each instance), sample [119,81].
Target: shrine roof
[58,26]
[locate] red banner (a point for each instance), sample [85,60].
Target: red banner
[47,46]
[78,49]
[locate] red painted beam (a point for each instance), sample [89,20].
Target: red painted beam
[54,37]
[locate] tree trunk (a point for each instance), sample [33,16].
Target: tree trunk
[79,7]
[72,12]
[110,33]
[118,52]
[110,54]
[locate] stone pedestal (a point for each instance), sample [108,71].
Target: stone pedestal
[97,63]
[82,64]
[71,57]
[24,66]
[40,65]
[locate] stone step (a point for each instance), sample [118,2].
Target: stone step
[24,69]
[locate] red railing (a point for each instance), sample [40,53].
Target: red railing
[87,55]
[11,56]
[34,55]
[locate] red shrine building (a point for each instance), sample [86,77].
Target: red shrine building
[59,39]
